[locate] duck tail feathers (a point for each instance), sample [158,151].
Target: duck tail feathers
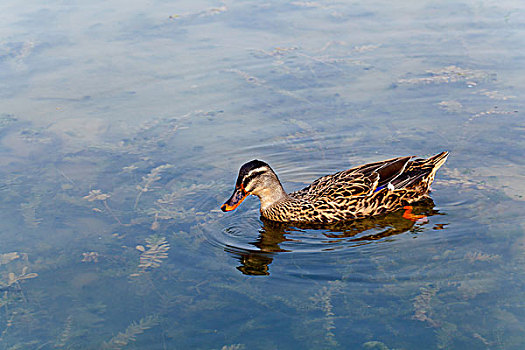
[437,161]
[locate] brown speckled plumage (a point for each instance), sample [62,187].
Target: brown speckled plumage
[363,191]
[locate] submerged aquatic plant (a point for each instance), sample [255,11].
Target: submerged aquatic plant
[29,212]
[323,299]
[449,74]
[122,339]
[445,335]
[422,305]
[480,256]
[97,195]
[233,347]
[13,295]
[146,186]
[212,11]
[63,338]
[489,112]
[156,250]
[90,257]
[148,180]
[375,345]
[495,95]
[451,106]
[13,278]
[10,278]
[8,257]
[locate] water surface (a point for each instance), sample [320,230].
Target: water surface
[122,129]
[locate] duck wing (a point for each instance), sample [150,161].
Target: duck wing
[420,172]
[361,180]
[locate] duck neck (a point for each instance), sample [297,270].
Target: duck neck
[270,196]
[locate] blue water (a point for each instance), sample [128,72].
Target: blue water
[122,129]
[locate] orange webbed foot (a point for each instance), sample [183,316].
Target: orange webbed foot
[420,219]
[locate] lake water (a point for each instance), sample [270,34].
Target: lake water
[122,128]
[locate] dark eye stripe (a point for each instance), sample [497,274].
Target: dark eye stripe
[247,179]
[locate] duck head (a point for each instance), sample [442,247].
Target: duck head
[257,178]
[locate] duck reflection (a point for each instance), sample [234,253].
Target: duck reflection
[273,234]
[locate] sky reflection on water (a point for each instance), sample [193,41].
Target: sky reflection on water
[122,128]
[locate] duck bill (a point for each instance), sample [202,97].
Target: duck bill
[237,197]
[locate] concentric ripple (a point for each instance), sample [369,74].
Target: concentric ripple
[255,242]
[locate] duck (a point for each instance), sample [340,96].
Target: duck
[360,192]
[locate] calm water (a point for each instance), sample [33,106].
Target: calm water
[122,129]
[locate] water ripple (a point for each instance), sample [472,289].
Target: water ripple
[255,242]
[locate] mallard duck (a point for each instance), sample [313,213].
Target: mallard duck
[363,191]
